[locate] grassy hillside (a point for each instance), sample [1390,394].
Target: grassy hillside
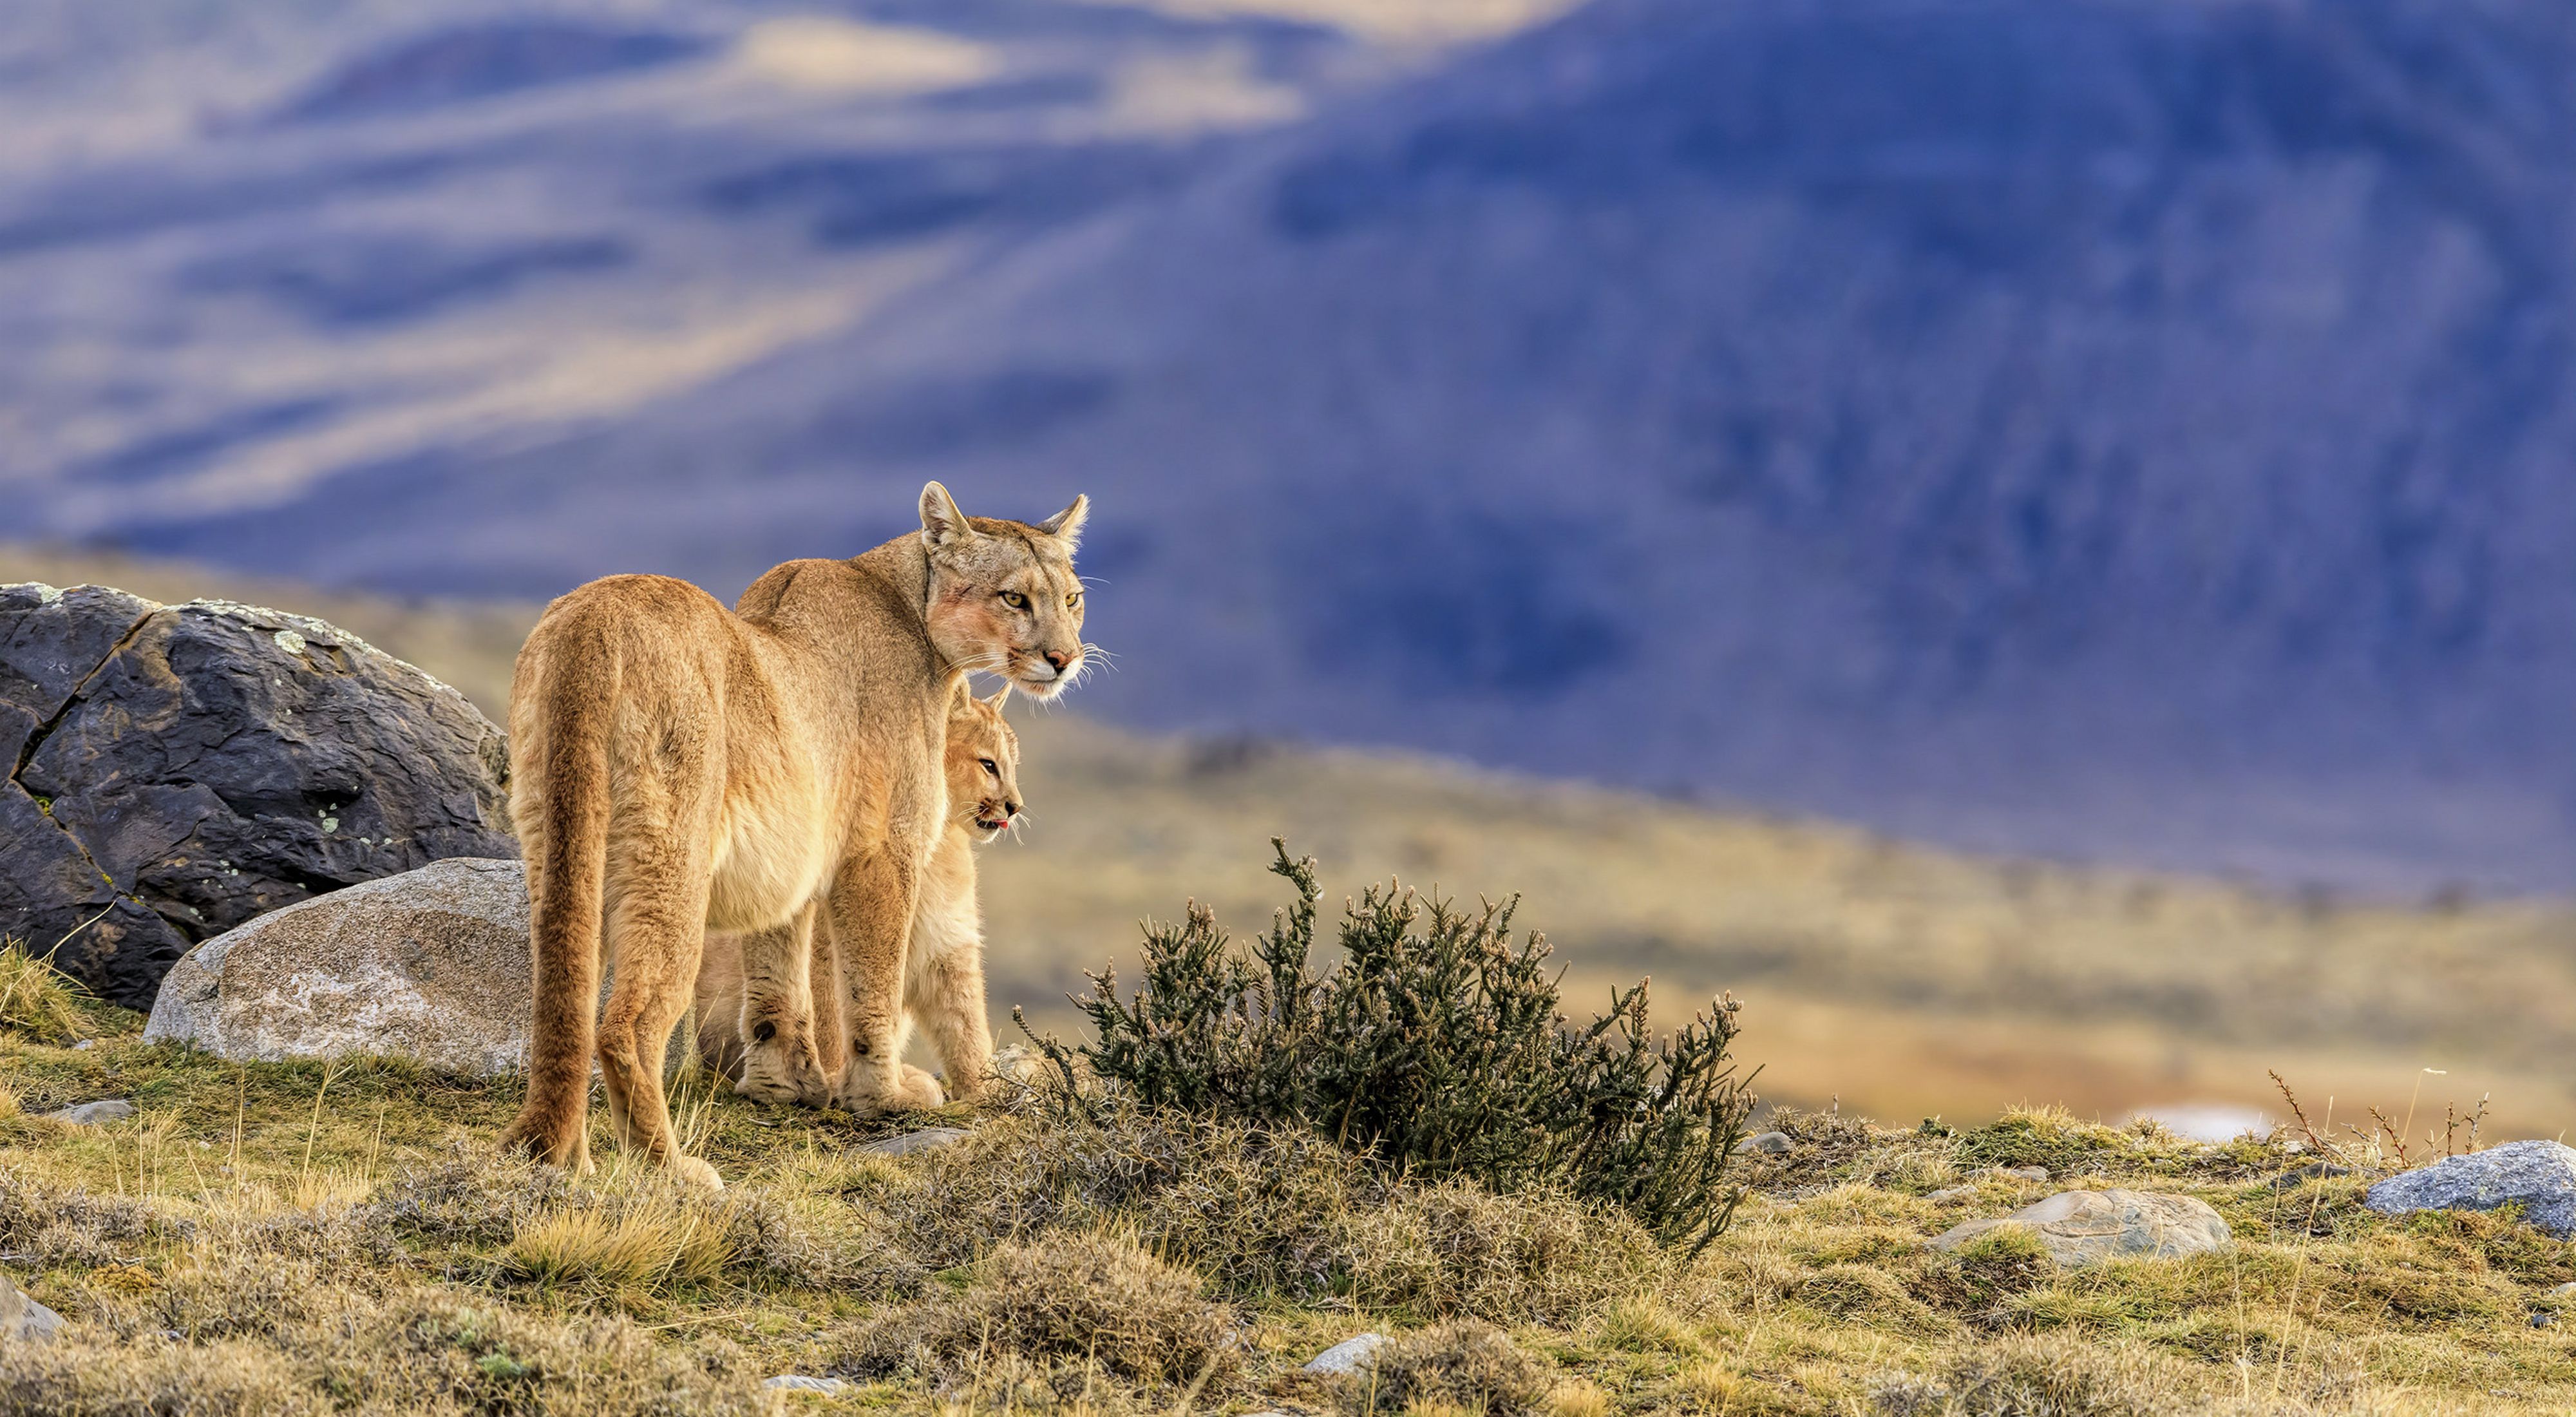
[1902,981]
[293,1238]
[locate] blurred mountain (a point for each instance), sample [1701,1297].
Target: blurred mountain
[2126,428]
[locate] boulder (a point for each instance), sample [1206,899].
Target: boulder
[2540,1175]
[23,1320]
[176,771]
[430,965]
[2087,1227]
[1767,1143]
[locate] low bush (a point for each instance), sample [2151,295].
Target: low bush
[1062,1307]
[1267,1213]
[1436,1048]
[1462,1365]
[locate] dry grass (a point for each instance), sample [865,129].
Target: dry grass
[38,1000]
[1459,1365]
[361,1247]
[1073,1308]
[650,1244]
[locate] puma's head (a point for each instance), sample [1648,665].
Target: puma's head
[983,763]
[1003,596]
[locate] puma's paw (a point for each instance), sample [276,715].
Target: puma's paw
[780,1076]
[694,1171]
[922,1088]
[868,1094]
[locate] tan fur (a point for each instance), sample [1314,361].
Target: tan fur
[678,768]
[944,958]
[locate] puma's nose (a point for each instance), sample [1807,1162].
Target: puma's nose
[1010,809]
[1057,659]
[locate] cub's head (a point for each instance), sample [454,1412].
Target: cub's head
[1003,596]
[983,763]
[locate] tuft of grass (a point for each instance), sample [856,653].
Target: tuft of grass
[1643,1326]
[1068,1310]
[2026,1377]
[2052,1137]
[39,1000]
[1460,1365]
[1576,1399]
[650,1243]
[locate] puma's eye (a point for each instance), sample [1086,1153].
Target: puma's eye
[988,767]
[1073,601]
[1015,600]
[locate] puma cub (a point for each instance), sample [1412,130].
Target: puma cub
[943,972]
[679,768]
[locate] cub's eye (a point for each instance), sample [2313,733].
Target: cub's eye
[988,766]
[1015,600]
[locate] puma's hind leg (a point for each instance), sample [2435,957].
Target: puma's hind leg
[781,1059]
[945,995]
[656,919]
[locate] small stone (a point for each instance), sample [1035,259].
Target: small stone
[1948,1194]
[90,1114]
[798,1382]
[2540,1175]
[85,1045]
[1768,1143]
[2561,1294]
[24,1320]
[2315,1171]
[2085,1227]
[1351,1355]
[923,1140]
[2543,1320]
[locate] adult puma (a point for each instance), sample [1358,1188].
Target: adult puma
[679,768]
[943,973]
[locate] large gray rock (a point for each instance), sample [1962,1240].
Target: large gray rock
[176,771]
[431,964]
[2541,1175]
[2087,1227]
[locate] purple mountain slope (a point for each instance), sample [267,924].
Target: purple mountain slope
[2132,430]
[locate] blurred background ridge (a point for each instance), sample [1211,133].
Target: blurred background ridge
[2125,429]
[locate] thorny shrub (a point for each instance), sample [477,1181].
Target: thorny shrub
[1436,1048]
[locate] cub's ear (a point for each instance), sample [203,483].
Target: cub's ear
[1066,526]
[942,525]
[995,703]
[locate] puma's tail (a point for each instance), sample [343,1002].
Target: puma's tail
[559,725]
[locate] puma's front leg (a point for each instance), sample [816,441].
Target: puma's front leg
[872,902]
[780,1059]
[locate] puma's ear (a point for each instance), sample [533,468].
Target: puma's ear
[942,525]
[1066,526]
[995,703]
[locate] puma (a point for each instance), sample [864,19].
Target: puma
[943,971]
[680,768]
